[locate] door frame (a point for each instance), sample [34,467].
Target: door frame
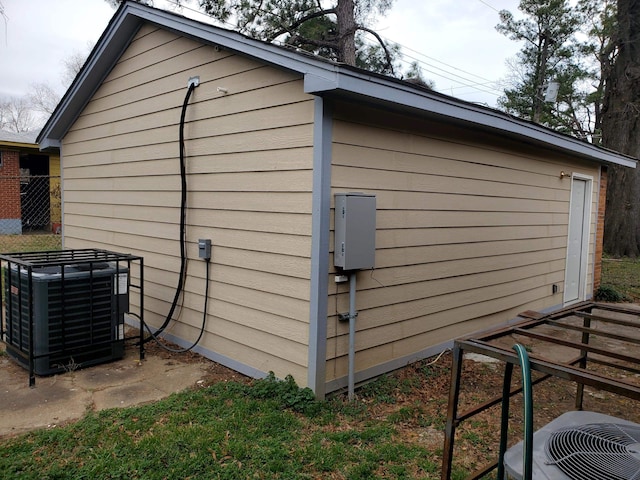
[586,238]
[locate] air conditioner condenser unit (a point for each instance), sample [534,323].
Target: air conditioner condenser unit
[77,314]
[581,445]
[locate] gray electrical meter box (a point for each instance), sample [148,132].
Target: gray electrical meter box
[355,231]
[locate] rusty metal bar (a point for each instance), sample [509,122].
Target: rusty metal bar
[482,471]
[586,326]
[452,411]
[529,320]
[617,308]
[615,321]
[614,365]
[596,331]
[567,372]
[576,345]
[502,331]
[504,417]
[496,400]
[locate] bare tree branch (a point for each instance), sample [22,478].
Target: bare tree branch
[382,44]
[16,115]
[72,65]
[290,28]
[43,98]
[5,19]
[297,39]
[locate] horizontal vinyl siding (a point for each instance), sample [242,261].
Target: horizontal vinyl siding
[470,232]
[249,167]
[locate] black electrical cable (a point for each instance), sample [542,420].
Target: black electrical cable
[204,319]
[183,214]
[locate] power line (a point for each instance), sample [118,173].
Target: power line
[490,6]
[443,63]
[460,80]
[430,65]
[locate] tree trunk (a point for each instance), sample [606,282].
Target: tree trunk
[540,76]
[346,21]
[621,132]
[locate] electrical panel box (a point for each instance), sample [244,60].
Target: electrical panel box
[355,231]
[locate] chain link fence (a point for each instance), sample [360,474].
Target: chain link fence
[30,213]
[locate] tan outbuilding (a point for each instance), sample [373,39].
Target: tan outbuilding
[478,215]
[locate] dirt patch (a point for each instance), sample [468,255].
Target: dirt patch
[214,371]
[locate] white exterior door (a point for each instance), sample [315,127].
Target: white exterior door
[575,284]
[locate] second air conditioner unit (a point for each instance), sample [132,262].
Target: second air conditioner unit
[581,446]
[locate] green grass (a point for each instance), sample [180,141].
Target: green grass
[621,276]
[270,429]
[29,243]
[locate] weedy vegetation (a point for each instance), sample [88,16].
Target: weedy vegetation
[229,430]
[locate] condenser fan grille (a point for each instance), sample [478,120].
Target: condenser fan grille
[596,451]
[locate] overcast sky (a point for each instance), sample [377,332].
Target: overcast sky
[455,41]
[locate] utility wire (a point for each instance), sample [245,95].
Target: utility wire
[440,61]
[463,81]
[488,5]
[460,80]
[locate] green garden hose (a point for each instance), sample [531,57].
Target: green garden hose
[527,400]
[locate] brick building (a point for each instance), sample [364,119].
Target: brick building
[10,222]
[29,185]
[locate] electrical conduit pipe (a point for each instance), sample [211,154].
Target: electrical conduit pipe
[352,335]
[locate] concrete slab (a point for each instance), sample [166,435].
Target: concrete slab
[65,397]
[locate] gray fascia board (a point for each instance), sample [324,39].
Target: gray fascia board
[315,84]
[381,90]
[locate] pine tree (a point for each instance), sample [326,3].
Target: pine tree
[550,52]
[621,132]
[335,32]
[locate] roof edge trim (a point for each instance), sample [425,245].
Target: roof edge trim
[321,77]
[450,107]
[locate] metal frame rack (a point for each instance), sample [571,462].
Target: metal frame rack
[18,286]
[571,329]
